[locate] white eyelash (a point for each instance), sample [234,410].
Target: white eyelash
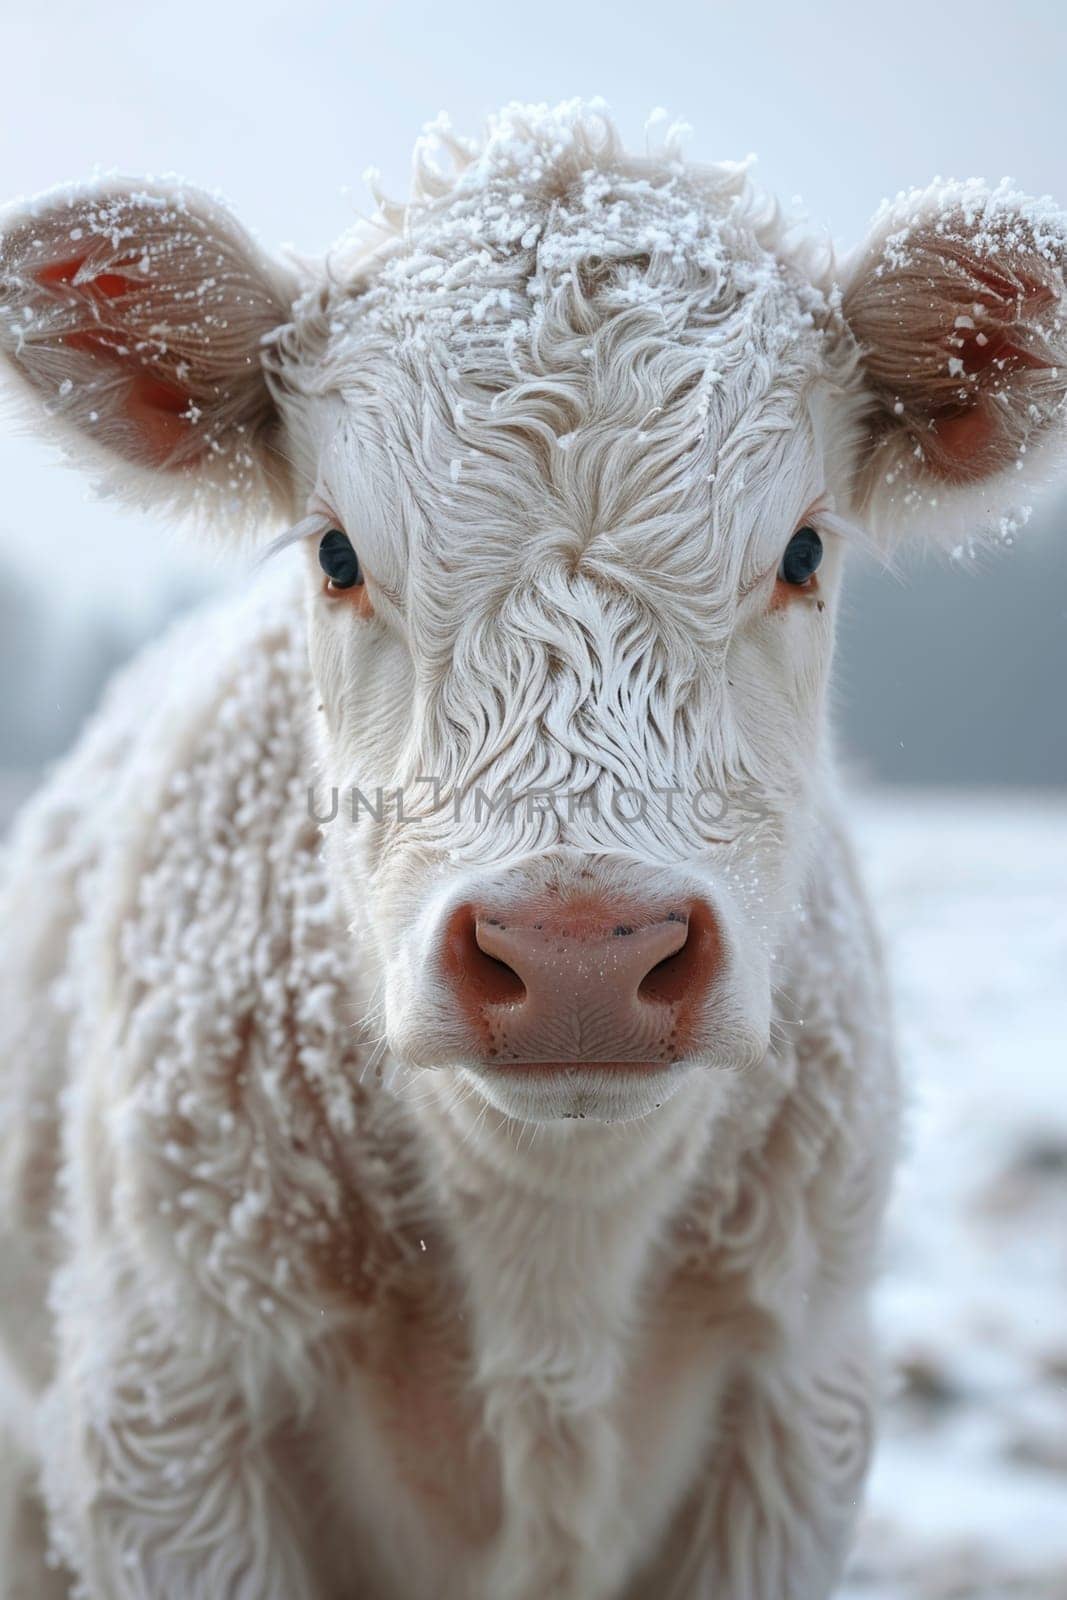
[830,522]
[317,522]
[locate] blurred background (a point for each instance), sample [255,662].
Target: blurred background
[951,678]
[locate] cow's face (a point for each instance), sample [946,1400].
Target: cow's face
[573,578]
[577,451]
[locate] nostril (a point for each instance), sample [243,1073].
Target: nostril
[689,972]
[499,983]
[484,977]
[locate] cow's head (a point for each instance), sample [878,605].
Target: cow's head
[575,445]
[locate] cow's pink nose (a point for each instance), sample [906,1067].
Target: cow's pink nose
[584,983]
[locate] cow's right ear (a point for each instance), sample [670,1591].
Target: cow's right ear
[957,305]
[136,314]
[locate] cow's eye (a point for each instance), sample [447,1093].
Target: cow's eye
[339,561]
[802,556]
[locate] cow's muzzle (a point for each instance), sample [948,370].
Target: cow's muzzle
[582,979]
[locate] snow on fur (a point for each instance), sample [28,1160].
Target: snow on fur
[308,1297]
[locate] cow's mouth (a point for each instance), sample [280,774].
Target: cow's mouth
[547,1068]
[564,1090]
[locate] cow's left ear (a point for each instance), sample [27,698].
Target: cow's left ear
[956,303]
[137,314]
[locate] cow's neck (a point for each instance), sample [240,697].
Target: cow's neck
[609,1183]
[556,1225]
[555,1234]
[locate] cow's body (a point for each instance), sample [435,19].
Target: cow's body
[477,1210]
[614,1367]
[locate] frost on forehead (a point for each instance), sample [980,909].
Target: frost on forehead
[549,202]
[555,334]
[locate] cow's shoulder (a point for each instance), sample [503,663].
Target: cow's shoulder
[231,1129]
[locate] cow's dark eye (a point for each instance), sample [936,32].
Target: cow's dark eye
[802,556]
[339,561]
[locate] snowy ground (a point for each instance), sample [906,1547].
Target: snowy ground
[969,1491]
[968,1498]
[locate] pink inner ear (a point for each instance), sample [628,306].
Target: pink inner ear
[108,285]
[968,436]
[998,350]
[988,350]
[153,404]
[1008,306]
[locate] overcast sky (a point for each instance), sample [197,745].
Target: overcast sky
[284,105]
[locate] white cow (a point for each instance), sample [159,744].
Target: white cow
[476,1200]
